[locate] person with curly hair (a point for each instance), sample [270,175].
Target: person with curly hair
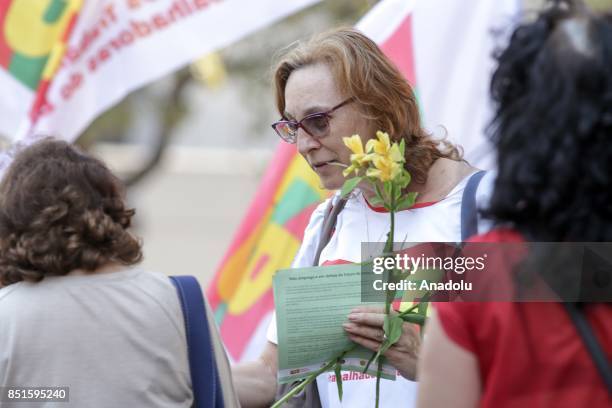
[552,132]
[75,309]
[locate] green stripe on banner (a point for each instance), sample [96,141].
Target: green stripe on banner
[298,196]
[54,11]
[27,69]
[419,104]
[220,313]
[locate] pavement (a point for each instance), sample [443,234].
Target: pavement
[187,220]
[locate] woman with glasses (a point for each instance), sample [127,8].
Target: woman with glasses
[333,86]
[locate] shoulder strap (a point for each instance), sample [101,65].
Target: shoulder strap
[204,377]
[469,211]
[329,223]
[591,343]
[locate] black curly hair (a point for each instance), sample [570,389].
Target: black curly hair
[61,210]
[553,127]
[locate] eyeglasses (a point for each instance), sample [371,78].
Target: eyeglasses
[315,124]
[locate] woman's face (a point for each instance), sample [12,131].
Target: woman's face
[312,89]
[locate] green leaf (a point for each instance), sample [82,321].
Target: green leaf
[372,357]
[381,350]
[408,201]
[411,309]
[394,328]
[378,375]
[415,318]
[375,200]
[338,371]
[424,304]
[404,204]
[422,309]
[402,147]
[312,377]
[386,325]
[387,187]
[404,179]
[397,192]
[379,193]
[349,185]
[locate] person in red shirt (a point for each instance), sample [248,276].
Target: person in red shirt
[552,132]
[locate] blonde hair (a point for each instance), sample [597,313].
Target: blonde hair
[382,93]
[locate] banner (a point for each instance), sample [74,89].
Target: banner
[454,41]
[267,240]
[443,47]
[116,46]
[32,42]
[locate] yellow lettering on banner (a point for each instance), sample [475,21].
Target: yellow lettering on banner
[276,250]
[25,30]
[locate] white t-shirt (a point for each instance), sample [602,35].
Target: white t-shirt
[358,222]
[116,339]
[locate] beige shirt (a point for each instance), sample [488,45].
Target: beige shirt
[116,339]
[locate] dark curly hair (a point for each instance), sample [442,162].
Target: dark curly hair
[61,210]
[553,127]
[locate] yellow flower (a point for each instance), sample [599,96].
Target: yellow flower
[383,147]
[349,170]
[395,154]
[359,158]
[385,168]
[386,157]
[354,144]
[380,146]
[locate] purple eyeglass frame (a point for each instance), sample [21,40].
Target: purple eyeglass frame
[298,124]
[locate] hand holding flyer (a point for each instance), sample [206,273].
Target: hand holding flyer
[311,305]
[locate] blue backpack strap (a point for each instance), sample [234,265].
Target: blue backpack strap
[204,377]
[469,211]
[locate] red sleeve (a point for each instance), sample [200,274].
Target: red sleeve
[467,323]
[456,319]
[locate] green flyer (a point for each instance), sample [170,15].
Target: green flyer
[311,305]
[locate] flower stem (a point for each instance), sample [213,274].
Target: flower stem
[378,375]
[409,310]
[311,378]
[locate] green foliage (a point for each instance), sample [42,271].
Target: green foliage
[349,185]
[407,201]
[338,371]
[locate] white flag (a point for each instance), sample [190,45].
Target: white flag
[117,46]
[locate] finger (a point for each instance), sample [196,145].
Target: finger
[367,343]
[368,309]
[365,331]
[371,319]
